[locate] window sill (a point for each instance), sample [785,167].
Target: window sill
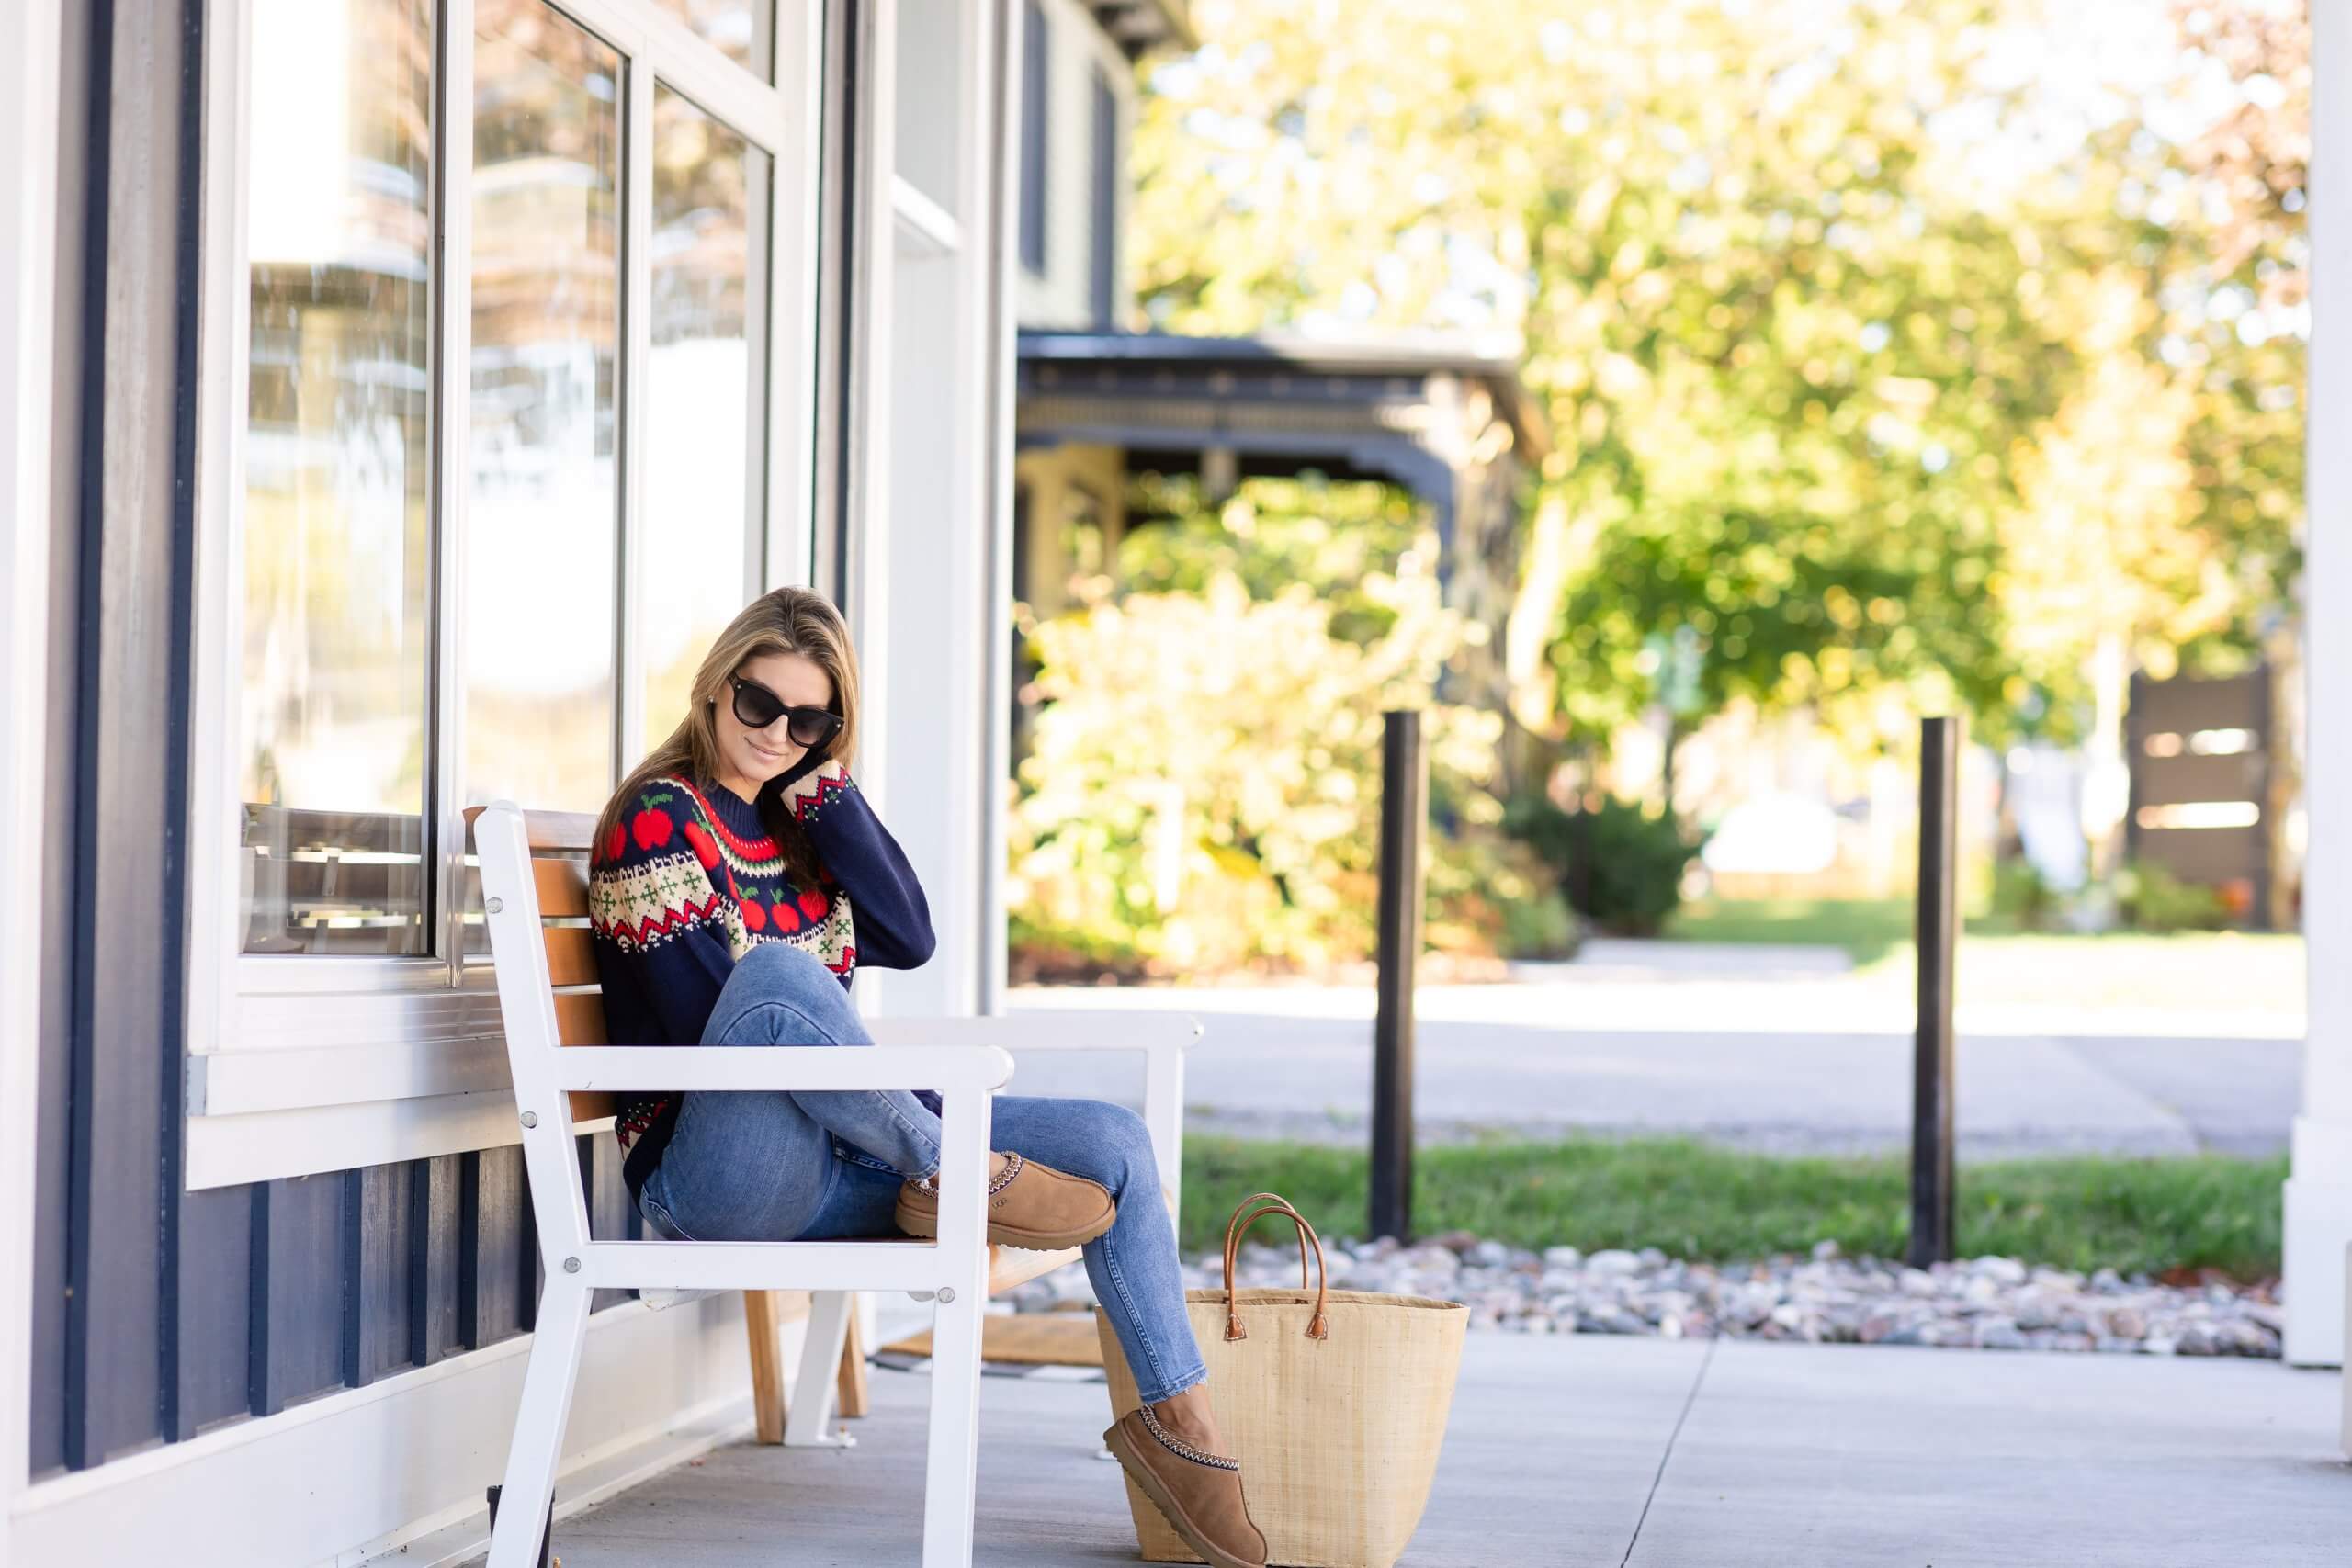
[227,1151]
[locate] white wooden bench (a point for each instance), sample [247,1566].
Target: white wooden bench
[567,1076]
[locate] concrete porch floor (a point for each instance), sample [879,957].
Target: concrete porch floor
[1627,1453]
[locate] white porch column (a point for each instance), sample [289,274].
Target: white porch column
[942,702]
[2319,1192]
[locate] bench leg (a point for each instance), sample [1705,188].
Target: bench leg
[760,1325]
[855,1397]
[951,1469]
[547,1527]
[952,1475]
[1163,1116]
[529,1487]
[820,1357]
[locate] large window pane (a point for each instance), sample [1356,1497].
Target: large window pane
[543,500]
[331,713]
[705,387]
[742,29]
[543,512]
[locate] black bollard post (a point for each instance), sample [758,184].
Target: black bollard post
[1937,933]
[1404,810]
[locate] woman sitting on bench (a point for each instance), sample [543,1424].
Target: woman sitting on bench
[738,879]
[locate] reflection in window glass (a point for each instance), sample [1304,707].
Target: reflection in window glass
[741,29]
[542,506]
[543,509]
[703,394]
[332,715]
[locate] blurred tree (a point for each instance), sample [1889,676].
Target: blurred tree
[1859,327]
[2251,156]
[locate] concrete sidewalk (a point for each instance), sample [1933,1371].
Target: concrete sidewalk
[1614,1452]
[1789,1072]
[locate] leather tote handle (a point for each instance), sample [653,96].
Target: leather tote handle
[1234,1226]
[1317,1326]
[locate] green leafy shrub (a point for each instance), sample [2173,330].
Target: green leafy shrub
[1619,866]
[1202,793]
[2020,894]
[1540,926]
[2150,898]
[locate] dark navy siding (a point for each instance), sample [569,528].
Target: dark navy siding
[440,1258]
[327,1283]
[297,1348]
[51,1171]
[159,1312]
[215,1324]
[379,1236]
[506,1272]
[117,1215]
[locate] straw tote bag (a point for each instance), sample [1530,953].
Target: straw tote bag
[1334,1401]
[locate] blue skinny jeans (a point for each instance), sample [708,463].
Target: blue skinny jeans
[780,1164]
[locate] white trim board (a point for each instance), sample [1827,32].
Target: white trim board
[2317,1200]
[297,1111]
[226,1151]
[328,1483]
[581,1488]
[31,46]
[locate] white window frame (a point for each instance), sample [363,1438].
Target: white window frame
[299,1063]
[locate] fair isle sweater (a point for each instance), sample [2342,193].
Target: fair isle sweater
[691,880]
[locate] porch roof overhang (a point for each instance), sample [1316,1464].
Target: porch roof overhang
[1138,26]
[1442,414]
[1204,389]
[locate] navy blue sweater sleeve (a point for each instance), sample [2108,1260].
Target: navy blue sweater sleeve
[887,906]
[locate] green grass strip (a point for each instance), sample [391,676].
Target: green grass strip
[1695,1201]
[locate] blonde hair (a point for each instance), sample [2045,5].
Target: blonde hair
[785,620]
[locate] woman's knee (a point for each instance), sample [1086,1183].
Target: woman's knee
[779,966]
[1120,1134]
[777,975]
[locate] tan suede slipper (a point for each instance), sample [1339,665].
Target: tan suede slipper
[1199,1492]
[1030,1205]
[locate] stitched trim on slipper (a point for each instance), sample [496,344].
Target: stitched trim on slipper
[1180,1447]
[1012,1169]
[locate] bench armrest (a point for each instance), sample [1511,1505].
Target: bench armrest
[942,1067]
[1061,1029]
[1161,1038]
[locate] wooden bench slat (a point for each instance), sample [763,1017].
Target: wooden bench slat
[572,957]
[580,1021]
[580,1018]
[563,888]
[560,832]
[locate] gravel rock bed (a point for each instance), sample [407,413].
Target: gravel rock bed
[1986,1303]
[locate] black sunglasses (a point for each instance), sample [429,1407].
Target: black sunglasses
[757,707]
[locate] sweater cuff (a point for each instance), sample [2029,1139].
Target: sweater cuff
[806,796]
